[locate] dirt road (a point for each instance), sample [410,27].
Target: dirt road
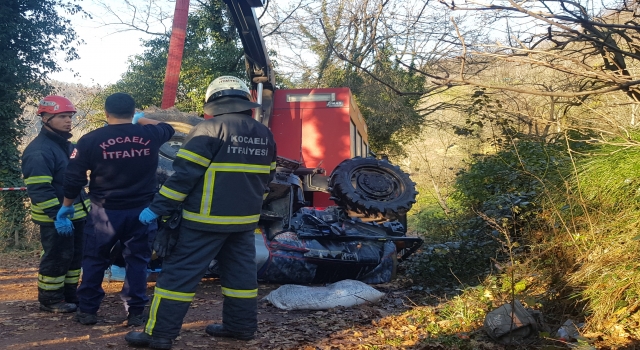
[24,326]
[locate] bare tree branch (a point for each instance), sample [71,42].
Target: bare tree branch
[342,57]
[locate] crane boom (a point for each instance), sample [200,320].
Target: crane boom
[259,68]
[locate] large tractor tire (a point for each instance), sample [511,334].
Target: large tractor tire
[372,187]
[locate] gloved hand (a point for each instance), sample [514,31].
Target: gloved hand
[65,212]
[167,236]
[64,227]
[166,239]
[147,216]
[137,116]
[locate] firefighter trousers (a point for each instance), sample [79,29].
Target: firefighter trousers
[183,269]
[103,229]
[60,265]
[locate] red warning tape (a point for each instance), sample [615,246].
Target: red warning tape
[13,188]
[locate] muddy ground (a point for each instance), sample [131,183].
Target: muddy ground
[24,326]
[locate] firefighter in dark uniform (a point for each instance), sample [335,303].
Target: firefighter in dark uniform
[122,158]
[43,164]
[221,176]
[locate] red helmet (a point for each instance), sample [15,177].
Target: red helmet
[55,104]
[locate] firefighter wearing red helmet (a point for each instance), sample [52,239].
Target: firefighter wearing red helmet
[44,161]
[221,174]
[55,105]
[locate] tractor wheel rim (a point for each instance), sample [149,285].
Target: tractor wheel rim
[376,184]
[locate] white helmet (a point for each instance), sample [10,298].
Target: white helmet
[226,86]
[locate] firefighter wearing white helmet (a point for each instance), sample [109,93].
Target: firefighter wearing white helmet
[227,94]
[226,86]
[44,162]
[221,174]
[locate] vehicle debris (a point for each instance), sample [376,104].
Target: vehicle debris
[510,323]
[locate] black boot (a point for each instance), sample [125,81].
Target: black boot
[135,320]
[218,330]
[86,318]
[70,295]
[144,339]
[59,307]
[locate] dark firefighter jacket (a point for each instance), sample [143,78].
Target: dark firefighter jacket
[221,175]
[44,162]
[123,159]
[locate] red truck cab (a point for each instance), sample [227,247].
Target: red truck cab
[319,128]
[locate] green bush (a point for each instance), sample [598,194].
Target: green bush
[496,198]
[573,207]
[506,187]
[429,220]
[12,218]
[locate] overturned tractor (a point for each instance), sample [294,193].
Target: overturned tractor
[360,235]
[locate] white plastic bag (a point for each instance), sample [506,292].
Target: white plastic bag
[343,293]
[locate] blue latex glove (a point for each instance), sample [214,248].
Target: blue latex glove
[147,216]
[137,116]
[64,227]
[65,212]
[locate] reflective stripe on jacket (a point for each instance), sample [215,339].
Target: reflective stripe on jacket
[44,162]
[221,175]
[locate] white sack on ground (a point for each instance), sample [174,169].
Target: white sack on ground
[343,293]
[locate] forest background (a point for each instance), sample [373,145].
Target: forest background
[517,120]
